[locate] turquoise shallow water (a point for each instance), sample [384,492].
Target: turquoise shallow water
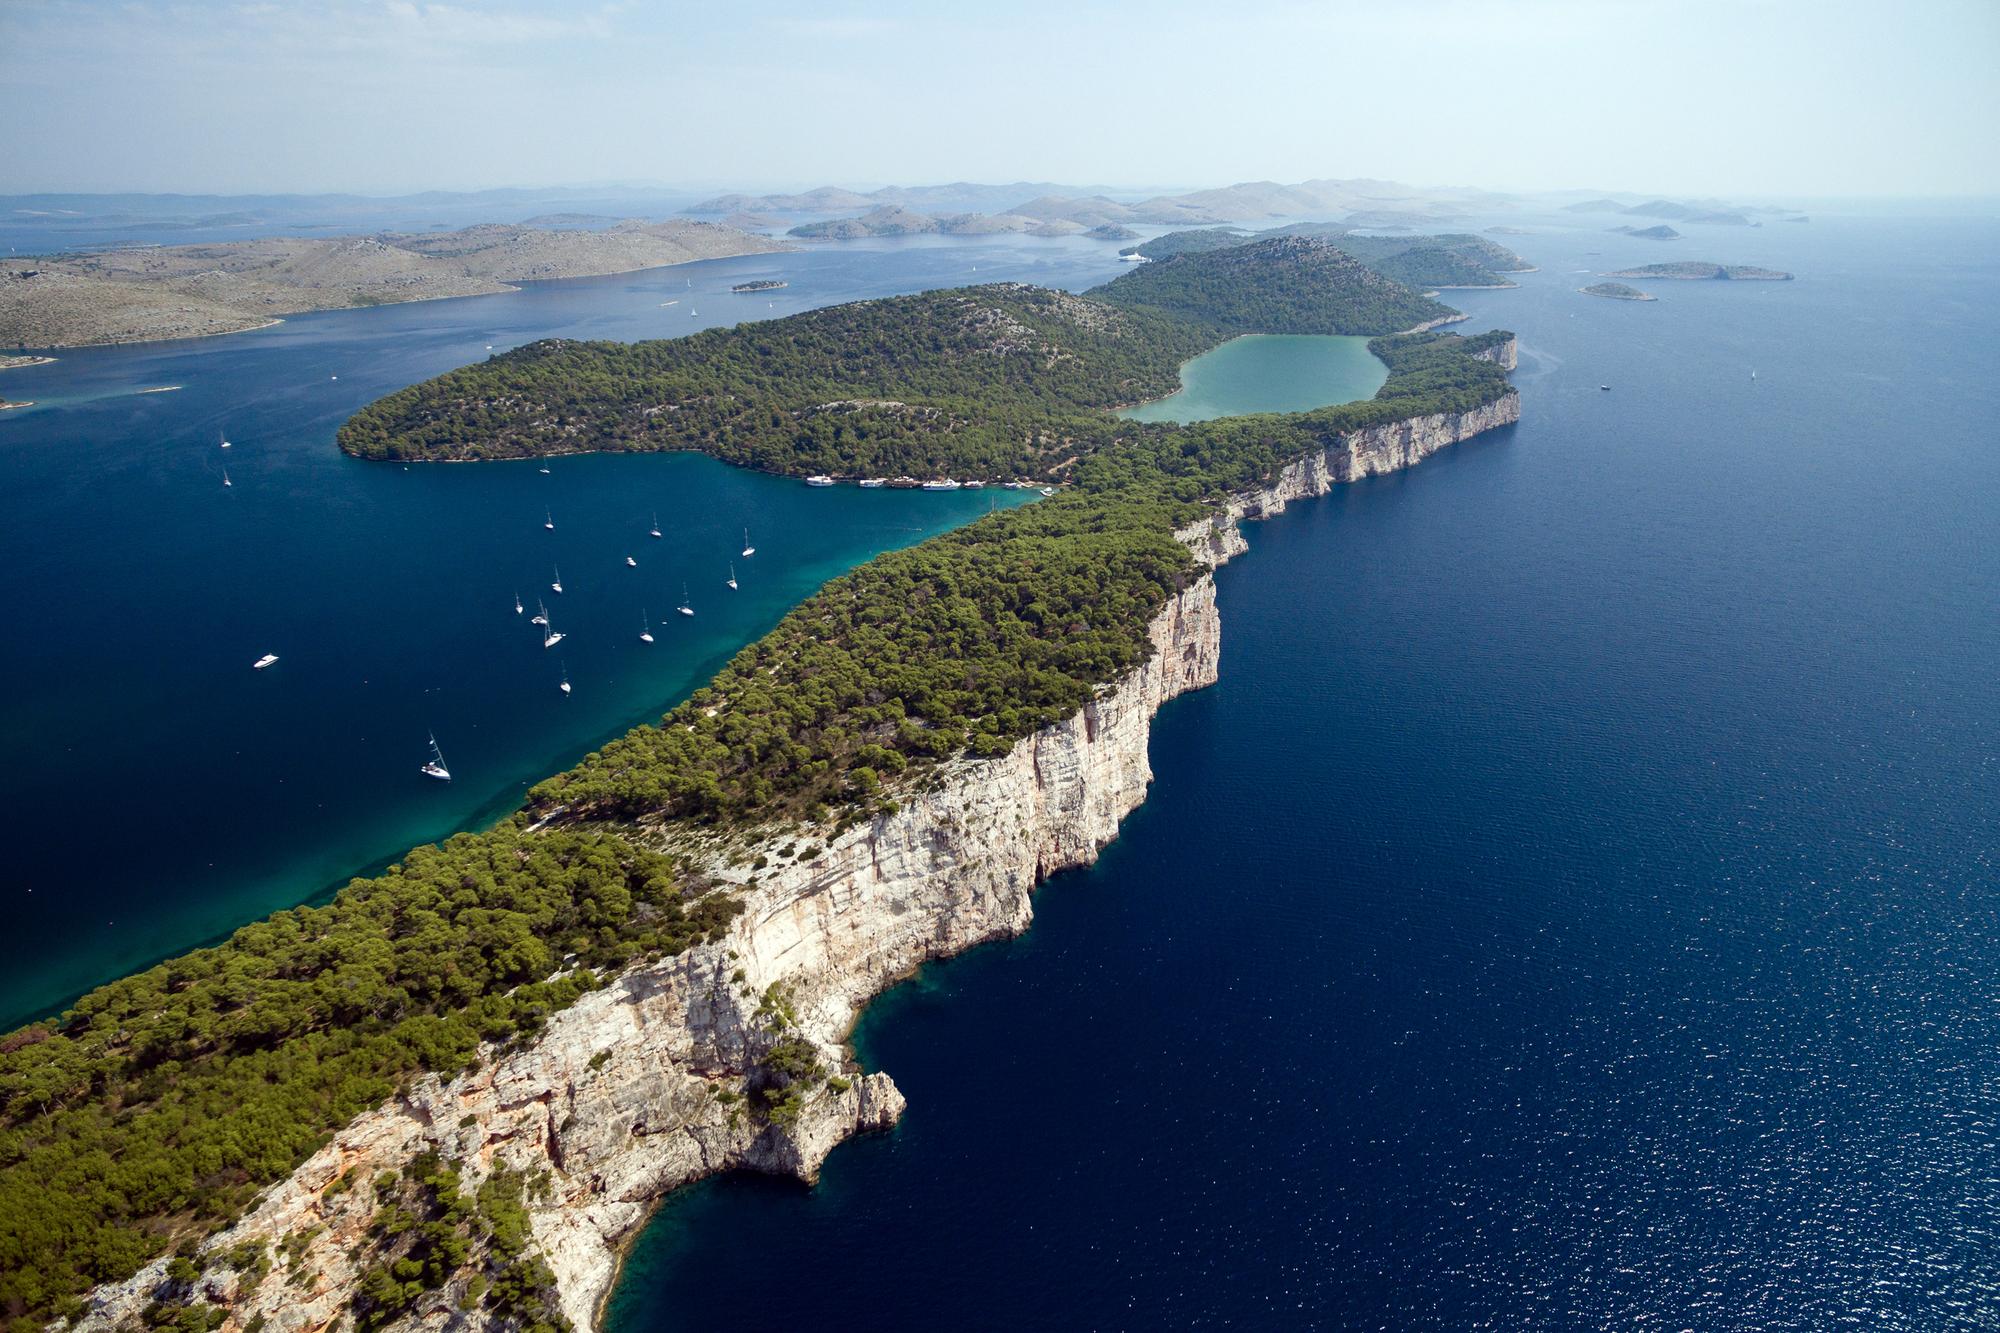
[1576,907]
[160,792]
[1269,373]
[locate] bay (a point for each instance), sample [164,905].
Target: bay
[160,792]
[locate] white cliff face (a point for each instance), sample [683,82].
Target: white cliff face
[632,1092]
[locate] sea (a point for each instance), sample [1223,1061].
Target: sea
[1576,906]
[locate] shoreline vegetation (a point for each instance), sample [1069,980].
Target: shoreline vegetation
[156,293]
[158,1107]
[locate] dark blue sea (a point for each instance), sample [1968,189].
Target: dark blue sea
[1575,908]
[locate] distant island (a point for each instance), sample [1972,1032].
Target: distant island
[1617,291]
[760,285]
[191,291]
[1660,233]
[1709,213]
[1112,231]
[1364,202]
[1691,270]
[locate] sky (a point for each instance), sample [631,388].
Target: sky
[1752,100]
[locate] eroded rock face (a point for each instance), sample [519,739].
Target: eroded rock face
[632,1091]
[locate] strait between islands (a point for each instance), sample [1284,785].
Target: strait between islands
[449,1098]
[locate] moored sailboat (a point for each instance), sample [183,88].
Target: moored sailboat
[435,768]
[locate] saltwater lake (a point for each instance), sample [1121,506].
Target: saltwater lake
[1575,908]
[1268,373]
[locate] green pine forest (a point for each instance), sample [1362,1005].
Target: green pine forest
[154,1110]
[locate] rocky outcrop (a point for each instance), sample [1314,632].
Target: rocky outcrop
[638,1088]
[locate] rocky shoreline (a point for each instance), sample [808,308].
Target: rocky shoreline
[636,1089]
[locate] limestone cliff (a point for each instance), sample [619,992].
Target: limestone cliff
[638,1088]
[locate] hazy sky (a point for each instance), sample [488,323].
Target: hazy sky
[1749,99]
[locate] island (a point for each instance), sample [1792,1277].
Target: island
[1617,291]
[454,1092]
[1112,231]
[760,285]
[1660,233]
[1693,270]
[191,291]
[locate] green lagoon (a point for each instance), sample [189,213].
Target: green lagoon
[1269,373]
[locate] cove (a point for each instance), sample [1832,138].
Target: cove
[1267,372]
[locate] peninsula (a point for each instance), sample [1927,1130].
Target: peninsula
[191,291]
[1695,270]
[449,1096]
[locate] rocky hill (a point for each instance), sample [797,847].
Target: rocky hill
[1283,284]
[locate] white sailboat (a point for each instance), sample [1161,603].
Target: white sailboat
[655,530]
[732,576]
[630,563]
[225,436]
[549,519]
[684,608]
[557,585]
[748,549]
[551,636]
[435,768]
[565,680]
[518,608]
[645,627]
[266,660]
[541,614]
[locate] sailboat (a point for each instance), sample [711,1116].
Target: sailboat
[557,585]
[551,636]
[732,577]
[549,519]
[684,608]
[541,614]
[225,478]
[748,549]
[565,680]
[645,627]
[544,471]
[518,608]
[630,563]
[655,531]
[224,435]
[435,768]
